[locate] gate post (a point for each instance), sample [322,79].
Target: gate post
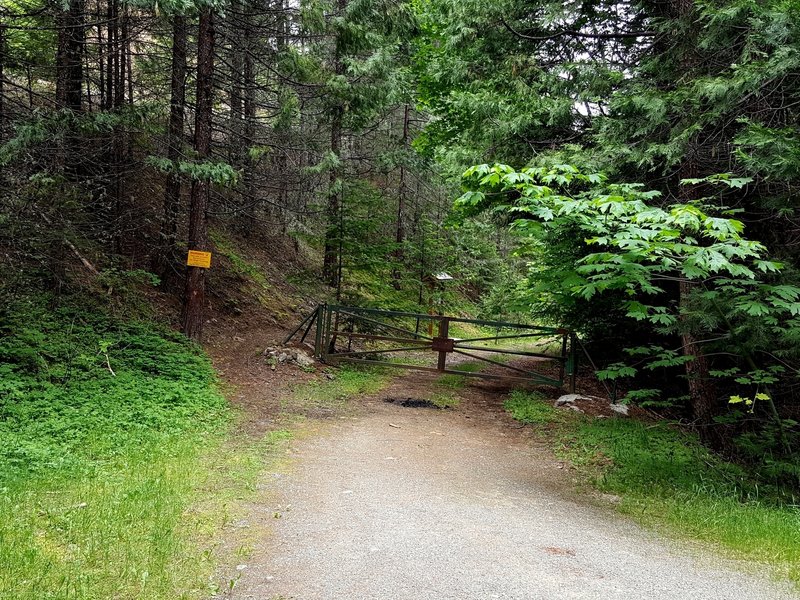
[327,335]
[444,333]
[318,334]
[573,362]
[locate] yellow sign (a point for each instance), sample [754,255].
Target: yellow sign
[197,258]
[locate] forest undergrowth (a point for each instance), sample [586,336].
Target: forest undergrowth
[108,427]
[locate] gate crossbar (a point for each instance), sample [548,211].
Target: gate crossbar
[377,330]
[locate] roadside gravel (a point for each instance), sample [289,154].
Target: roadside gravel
[401,503]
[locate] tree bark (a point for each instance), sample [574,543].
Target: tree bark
[101,58]
[167,257]
[128,58]
[333,233]
[249,103]
[120,135]
[3,116]
[400,231]
[282,134]
[194,296]
[119,58]
[702,390]
[69,65]
[108,94]
[236,62]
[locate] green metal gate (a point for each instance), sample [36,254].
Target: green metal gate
[409,340]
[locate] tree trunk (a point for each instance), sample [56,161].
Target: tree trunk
[120,137]
[333,234]
[110,53]
[119,58]
[702,390]
[167,258]
[194,297]
[29,78]
[128,58]
[69,82]
[236,61]
[282,134]
[3,116]
[88,69]
[244,98]
[400,232]
[101,58]
[69,65]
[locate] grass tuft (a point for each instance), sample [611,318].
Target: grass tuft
[331,395]
[531,408]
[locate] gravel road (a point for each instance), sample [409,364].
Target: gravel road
[402,503]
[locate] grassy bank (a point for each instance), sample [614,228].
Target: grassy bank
[109,432]
[665,478]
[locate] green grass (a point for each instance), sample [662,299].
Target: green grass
[456,382]
[443,399]
[145,526]
[113,485]
[667,479]
[531,408]
[444,392]
[121,485]
[327,396]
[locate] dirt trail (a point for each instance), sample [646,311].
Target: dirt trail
[412,503]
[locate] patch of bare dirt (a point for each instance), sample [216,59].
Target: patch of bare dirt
[253,384]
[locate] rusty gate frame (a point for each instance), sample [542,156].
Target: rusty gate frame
[327,320]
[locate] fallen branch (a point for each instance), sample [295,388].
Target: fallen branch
[83,259]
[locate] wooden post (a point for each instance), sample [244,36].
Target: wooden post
[320,318]
[564,358]
[444,333]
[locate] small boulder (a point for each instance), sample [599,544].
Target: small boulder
[304,360]
[620,409]
[570,399]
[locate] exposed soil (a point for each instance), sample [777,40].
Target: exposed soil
[256,387]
